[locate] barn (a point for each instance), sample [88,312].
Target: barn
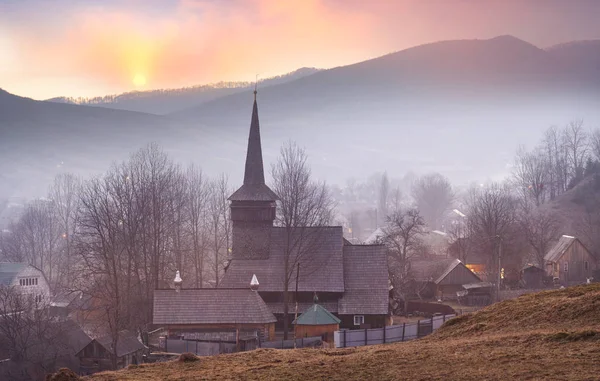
[570,262]
[453,278]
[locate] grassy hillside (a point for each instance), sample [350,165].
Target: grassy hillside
[544,336]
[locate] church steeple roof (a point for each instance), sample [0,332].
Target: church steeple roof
[254,187]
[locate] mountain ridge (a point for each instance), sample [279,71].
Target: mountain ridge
[456,107]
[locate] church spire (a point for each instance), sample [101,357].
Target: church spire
[254,187]
[254,173]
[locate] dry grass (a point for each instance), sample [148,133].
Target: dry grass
[545,336]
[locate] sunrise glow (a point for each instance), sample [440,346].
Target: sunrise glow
[139,80]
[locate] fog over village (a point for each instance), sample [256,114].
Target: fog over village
[294,194]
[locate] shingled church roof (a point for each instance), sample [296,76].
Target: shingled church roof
[254,187]
[365,280]
[211,306]
[321,269]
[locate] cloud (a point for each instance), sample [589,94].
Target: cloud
[195,42]
[99,46]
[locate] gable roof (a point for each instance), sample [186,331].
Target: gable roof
[316,315]
[9,270]
[210,306]
[559,249]
[366,281]
[320,271]
[127,343]
[463,274]
[429,270]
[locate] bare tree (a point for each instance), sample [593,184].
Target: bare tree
[101,246]
[197,200]
[64,194]
[577,148]
[220,225]
[595,144]
[556,152]
[434,196]
[304,204]
[531,175]
[35,239]
[402,241]
[493,226]
[382,206]
[541,229]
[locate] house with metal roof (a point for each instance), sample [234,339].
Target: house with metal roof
[25,278]
[569,261]
[351,280]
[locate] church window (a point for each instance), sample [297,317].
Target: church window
[359,319]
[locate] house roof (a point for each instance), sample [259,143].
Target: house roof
[127,343]
[559,249]
[375,237]
[210,306]
[9,270]
[366,281]
[465,274]
[320,271]
[472,286]
[77,339]
[429,270]
[317,315]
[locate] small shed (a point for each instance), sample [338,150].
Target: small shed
[570,261]
[452,279]
[96,356]
[476,294]
[532,276]
[317,321]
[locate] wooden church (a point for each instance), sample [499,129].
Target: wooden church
[351,281]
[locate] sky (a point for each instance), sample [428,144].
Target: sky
[91,48]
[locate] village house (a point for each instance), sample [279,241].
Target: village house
[25,278]
[350,280]
[452,280]
[569,261]
[213,314]
[96,355]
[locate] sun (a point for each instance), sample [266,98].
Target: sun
[139,80]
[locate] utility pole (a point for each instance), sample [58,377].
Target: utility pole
[296,297]
[499,268]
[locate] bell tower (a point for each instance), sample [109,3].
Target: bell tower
[253,205]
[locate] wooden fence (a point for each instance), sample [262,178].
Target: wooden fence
[389,334]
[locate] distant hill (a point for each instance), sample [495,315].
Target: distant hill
[165,101]
[39,139]
[456,107]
